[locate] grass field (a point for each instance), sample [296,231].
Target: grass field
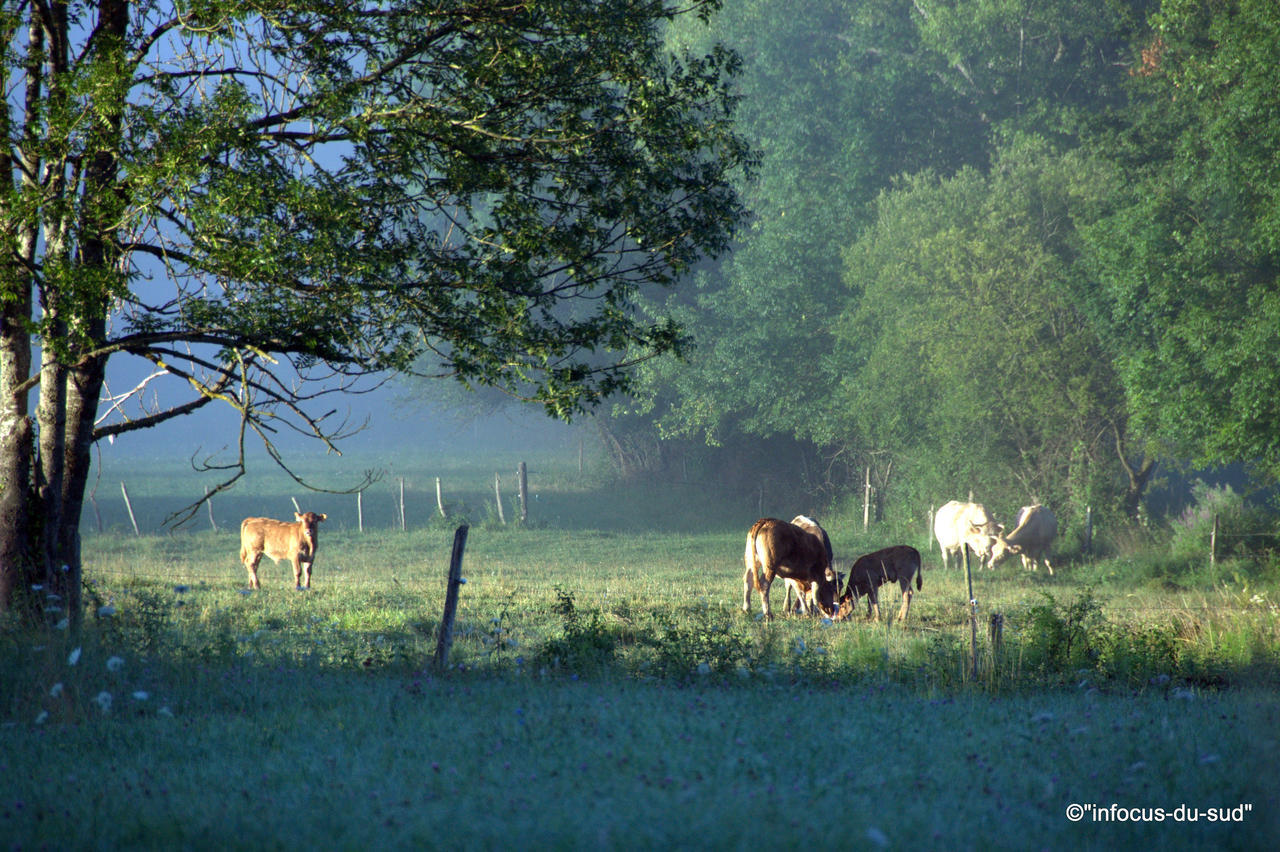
[606,691]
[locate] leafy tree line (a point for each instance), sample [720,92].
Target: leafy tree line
[274,201]
[1026,250]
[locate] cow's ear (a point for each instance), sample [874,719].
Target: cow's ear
[322,517]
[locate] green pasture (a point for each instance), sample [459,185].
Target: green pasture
[605,690]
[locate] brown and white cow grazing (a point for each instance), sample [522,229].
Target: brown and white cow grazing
[1036,528]
[958,524]
[798,589]
[868,573]
[280,540]
[777,548]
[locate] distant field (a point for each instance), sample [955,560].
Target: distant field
[606,691]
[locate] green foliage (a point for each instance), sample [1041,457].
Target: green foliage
[1184,262]
[465,191]
[1061,637]
[688,652]
[584,644]
[1241,528]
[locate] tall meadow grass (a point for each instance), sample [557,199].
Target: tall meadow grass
[605,690]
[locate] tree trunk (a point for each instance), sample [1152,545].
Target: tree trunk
[1139,475]
[16,449]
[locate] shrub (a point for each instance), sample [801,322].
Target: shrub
[1242,528]
[1061,637]
[584,643]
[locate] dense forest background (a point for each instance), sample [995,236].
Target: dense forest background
[1023,250]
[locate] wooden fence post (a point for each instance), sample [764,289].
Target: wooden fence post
[208,501]
[445,640]
[973,615]
[1088,530]
[129,506]
[497,495]
[402,504]
[866,502]
[995,632]
[522,474]
[1213,543]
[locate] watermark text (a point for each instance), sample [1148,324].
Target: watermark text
[1182,813]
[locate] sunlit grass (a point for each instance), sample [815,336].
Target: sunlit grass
[606,690]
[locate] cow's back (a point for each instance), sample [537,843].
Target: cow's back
[277,539]
[1037,526]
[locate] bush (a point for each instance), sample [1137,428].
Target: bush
[584,645]
[1242,529]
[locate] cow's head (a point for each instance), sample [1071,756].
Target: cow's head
[826,592]
[1001,549]
[310,521]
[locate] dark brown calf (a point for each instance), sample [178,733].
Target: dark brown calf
[898,563]
[777,548]
[295,541]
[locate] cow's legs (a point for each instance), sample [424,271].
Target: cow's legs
[252,567]
[747,584]
[307,575]
[873,602]
[297,572]
[764,596]
[906,601]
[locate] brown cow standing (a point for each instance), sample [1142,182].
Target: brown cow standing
[898,563]
[280,540]
[798,588]
[777,548]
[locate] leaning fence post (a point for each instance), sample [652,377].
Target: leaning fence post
[445,639]
[129,506]
[208,501]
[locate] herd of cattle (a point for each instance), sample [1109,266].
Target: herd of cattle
[798,551]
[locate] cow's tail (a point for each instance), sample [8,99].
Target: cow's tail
[919,572]
[749,557]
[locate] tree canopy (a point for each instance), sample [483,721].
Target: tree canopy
[1025,249]
[272,200]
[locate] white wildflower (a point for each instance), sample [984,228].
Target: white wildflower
[103,700]
[165,711]
[141,695]
[55,690]
[63,624]
[44,714]
[704,669]
[878,837]
[115,664]
[73,657]
[106,611]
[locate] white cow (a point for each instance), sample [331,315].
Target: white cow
[1030,539]
[958,524]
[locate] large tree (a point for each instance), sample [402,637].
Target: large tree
[1187,264]
[250,194]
